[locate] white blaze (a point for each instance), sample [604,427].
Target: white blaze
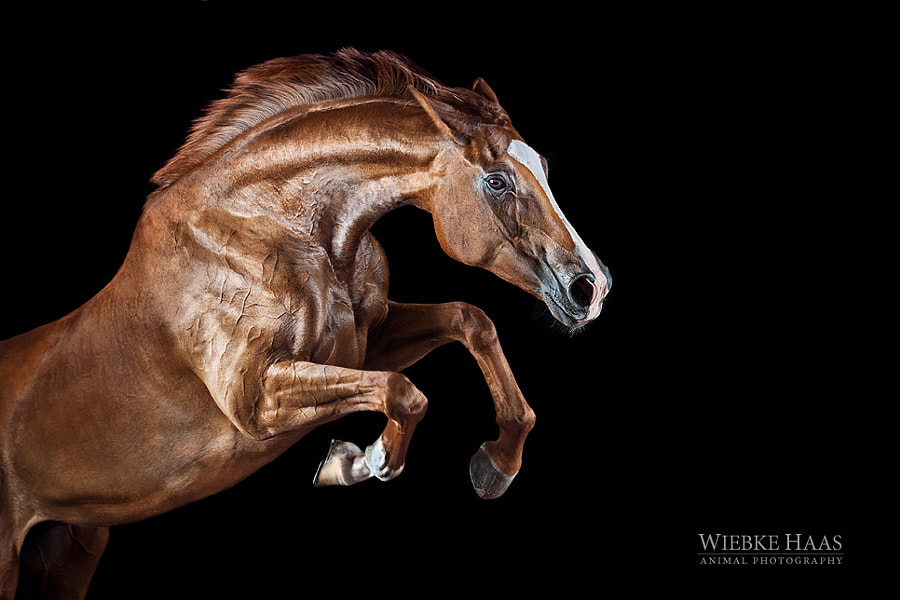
[531,160]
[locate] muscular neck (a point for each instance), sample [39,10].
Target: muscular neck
[331,189]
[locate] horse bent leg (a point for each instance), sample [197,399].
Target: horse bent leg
[297,394]
[413,330]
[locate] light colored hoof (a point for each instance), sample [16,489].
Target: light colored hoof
[489,482]
[344,465]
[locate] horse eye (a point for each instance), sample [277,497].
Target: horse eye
[497,183]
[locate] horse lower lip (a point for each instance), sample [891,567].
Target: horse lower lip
[572,319]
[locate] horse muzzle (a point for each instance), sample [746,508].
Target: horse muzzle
[575,295]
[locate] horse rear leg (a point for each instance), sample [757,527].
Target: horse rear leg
[58,560]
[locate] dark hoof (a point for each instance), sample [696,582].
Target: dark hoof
[489,482]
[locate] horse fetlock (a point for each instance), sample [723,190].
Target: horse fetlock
[517,424]
[346,464]
[378,463]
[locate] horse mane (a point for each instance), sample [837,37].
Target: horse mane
[267,89]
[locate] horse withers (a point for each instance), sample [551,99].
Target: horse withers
[253,306]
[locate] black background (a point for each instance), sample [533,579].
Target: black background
[702,155]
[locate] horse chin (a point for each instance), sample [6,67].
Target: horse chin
[565,317]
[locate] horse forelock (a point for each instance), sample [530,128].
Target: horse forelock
[265,90]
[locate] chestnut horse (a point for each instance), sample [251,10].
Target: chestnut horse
[252,306]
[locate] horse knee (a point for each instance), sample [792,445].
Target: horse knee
[404,401]
[473,326]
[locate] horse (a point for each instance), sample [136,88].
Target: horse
[252,306]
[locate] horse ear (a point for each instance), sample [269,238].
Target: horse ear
[432,114]
[481,87]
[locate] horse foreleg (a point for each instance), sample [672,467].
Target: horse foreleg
[299,395]
[413,330]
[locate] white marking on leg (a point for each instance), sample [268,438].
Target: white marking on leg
[376,461]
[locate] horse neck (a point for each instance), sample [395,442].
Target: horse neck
[313,184]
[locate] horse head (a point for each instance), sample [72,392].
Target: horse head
[493,209]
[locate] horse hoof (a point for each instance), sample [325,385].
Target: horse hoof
[344,465]
[489,482]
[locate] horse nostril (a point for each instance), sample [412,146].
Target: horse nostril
[581,291]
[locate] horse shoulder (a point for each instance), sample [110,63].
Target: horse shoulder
[370,281]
